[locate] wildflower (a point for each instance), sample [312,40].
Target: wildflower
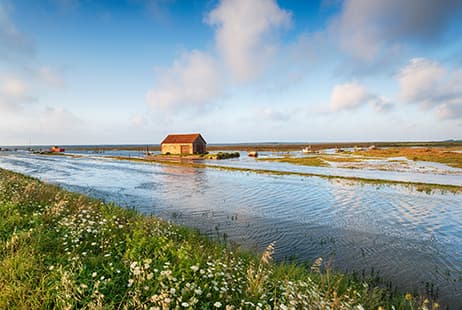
[130,282]
[217,304]
[408,296]
[94,274]
[185,304]
[436,305]
[51,267]
[194,268]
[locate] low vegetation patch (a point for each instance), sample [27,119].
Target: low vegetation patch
[222,155]
[316,161]
[64,250]
[439,155]
[305,161]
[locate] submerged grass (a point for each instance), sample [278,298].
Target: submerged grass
[304,161]
[64,250]
[315,161]
[440,155]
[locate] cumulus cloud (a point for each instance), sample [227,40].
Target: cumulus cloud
[366,27]
[244,34]
[192,81]
[353,95]
[430,85]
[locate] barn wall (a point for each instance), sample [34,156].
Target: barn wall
[199,148]
[176,148]
[188,148]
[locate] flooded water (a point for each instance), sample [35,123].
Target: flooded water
[418,171]
[414,239]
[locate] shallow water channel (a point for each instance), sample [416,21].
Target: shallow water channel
[413,238]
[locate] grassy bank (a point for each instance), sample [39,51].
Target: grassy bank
[64,250]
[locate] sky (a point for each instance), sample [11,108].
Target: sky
[133,71]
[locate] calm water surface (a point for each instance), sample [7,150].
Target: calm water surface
[410,237]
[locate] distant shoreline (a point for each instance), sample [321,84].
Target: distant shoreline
[257,146]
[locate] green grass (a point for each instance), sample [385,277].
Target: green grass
[304,161]
[64,250]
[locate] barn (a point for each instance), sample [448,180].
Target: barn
[184,144]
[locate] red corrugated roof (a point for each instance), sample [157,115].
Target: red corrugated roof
[182,138]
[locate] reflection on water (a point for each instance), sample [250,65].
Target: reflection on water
[411,237]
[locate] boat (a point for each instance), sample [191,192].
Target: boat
[253,154]
[56,149]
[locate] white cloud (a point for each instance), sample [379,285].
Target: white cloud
[245,34]
[192,81]
[419,79]
[366,28]
[430,85]
[353,95]
[14,94]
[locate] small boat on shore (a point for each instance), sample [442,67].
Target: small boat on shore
[56,149]
[253,154]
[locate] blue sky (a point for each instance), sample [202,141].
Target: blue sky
[132,71]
